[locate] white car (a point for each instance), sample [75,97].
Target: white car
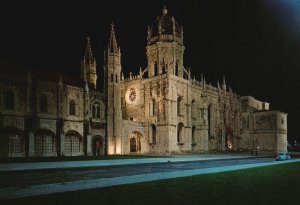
[283,156]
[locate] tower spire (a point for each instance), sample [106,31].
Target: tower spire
[112,45]
[88,65]
[88,55]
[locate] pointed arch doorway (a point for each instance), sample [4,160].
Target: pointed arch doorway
[98,145]
[135,142]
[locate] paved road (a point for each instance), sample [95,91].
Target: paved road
[116,162]
[37,177]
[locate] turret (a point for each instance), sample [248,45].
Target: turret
[88,66]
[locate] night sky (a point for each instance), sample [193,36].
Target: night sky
[254,43]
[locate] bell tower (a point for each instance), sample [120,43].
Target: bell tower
[112,86]
[165,47]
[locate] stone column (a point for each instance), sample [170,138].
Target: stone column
[89,145]
[62,144]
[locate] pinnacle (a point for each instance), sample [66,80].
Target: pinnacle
[112,46]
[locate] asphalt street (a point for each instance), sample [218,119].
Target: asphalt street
[36,177]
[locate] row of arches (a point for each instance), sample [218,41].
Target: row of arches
[12,143]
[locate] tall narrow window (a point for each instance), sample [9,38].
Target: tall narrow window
[179,105]
[193,135]
[96,110]
[112,78]
[180,130]
[116,78]
[176,68]
[163,67]
[155,69]
[153,129]
[43,103]
[152,108]
[9,100]
[72,107]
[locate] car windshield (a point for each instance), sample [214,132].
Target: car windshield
[281,154]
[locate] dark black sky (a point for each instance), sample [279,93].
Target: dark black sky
[254,43]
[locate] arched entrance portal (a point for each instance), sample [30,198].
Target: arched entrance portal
[98,146]
[133,147]
[135,142]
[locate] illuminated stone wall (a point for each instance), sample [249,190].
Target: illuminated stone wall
[155,102]
[161,110]
[28,119]
[263,129]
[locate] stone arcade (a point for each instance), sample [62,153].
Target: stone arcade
[162,110]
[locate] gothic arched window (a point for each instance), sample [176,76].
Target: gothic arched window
[180,131]
[96,110]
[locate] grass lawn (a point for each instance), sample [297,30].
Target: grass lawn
[279,184]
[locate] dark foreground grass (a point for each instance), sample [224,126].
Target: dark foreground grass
[278,184]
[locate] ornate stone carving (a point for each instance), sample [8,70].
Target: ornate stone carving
[265,122]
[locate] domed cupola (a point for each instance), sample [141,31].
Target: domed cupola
[165,47]
[165,28]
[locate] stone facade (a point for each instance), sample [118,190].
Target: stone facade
[162,110]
